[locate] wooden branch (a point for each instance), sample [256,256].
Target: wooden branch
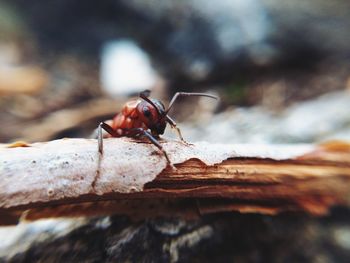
[68,177]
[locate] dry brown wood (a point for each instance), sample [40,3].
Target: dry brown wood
[68,177]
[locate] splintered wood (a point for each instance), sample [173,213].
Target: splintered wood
[68,177]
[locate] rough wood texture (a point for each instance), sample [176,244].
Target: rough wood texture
[68,178]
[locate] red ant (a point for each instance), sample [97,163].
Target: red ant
[144,117]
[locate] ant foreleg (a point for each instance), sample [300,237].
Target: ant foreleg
[109,130]
[139,131]
[174,126]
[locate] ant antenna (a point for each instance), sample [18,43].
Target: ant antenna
[188,94]
[145,94]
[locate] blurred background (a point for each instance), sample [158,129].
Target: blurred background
[281,70]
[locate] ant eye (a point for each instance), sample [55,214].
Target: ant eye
[146,111]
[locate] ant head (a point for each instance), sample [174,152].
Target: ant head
[152,114]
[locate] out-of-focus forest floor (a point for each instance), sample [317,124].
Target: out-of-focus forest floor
[48,92]
[49,98]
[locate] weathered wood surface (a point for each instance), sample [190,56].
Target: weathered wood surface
[68,177]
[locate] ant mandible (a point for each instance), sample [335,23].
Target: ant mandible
[144,117]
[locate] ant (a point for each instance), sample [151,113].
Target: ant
[144,117]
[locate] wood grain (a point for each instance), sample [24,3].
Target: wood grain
[132,177]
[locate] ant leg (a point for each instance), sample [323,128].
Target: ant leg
[111,131]
[178,131]
[139,131]
[174,126]
[108,129]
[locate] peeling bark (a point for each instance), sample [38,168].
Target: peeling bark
[68,177]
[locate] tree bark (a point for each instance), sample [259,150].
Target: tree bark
[69,177]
